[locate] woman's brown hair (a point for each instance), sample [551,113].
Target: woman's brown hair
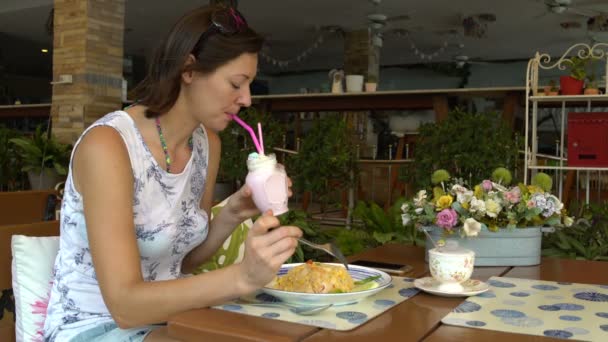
[160,88]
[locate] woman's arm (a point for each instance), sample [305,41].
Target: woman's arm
[103,176]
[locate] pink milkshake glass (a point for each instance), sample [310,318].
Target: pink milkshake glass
[268,183]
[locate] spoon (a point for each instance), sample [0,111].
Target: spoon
[304,310]
[437,244]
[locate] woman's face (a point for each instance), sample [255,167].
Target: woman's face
[215,96]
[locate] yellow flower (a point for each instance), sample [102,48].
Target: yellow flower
[478,191]
[534,189]
[493,227]
[493,208]
[444,202]
[466,205]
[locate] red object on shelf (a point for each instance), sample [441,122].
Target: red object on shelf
[588,139]
[570,86]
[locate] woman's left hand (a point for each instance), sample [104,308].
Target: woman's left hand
[241,203]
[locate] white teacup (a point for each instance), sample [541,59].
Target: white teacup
[451,265]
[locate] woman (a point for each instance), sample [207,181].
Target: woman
[132,222]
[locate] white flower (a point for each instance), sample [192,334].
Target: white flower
[499,187]
[558,204]
[405,218]
[420,198]
[539,200]
[477,206]
[465,197]
[404,207]
[471,227]
[492,208]
[419,210]
[458,189]
[568,221]
[494,195]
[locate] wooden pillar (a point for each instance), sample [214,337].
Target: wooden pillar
[441,107]
[509,107]
[88,48]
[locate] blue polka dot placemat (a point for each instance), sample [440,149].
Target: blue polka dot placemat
[535,307]
[343,317]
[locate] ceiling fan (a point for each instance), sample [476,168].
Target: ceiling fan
[377,21]
[462,60]
[597,28]
[568,7]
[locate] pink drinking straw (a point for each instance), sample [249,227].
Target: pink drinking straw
[251,133]
[261,137]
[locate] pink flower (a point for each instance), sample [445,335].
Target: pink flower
[39,308]
[531,204]
[486,185]
[447,218]
[513,196]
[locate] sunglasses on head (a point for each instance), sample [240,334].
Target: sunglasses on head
[224,20]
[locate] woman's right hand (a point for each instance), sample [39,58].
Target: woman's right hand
[266,249]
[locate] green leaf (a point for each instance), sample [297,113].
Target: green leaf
[382,222]
[552,252]
[563,241]
[577,245]
[367,280]
[459,209]
[553,221]
[383,238]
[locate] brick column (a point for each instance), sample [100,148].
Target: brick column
[360,56]
[88,45]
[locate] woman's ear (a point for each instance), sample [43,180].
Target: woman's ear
[188,76]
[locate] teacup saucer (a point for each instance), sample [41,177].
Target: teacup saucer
[471,287]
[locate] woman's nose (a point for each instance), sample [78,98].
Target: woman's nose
[244,99]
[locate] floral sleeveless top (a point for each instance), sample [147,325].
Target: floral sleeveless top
[168,224]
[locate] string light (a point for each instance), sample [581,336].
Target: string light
[419,53]
[283,63]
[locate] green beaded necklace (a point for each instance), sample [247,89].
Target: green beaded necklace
[163,144]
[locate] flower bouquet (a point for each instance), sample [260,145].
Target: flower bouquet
[457,211]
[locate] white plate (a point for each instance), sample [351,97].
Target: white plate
[356,272]
[471,287]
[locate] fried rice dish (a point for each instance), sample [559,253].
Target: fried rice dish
[315,277]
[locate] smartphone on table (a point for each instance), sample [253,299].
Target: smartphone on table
[391,268]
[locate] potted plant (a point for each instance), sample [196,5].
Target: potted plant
[386,226]
[591,87]
[10,163]
[551,89]
[573,84]
[506,220]
[44,158]
[586,239]
[466,144]
[326,159]
[372,83]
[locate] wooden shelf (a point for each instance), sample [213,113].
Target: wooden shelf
[568,98]
[25,111]
[577,168]
[380,100]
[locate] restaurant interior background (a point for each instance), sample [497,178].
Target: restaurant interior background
[424,44]
[414,45]
[451,72]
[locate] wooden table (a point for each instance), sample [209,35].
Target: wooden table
[415,319]
[566,270]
